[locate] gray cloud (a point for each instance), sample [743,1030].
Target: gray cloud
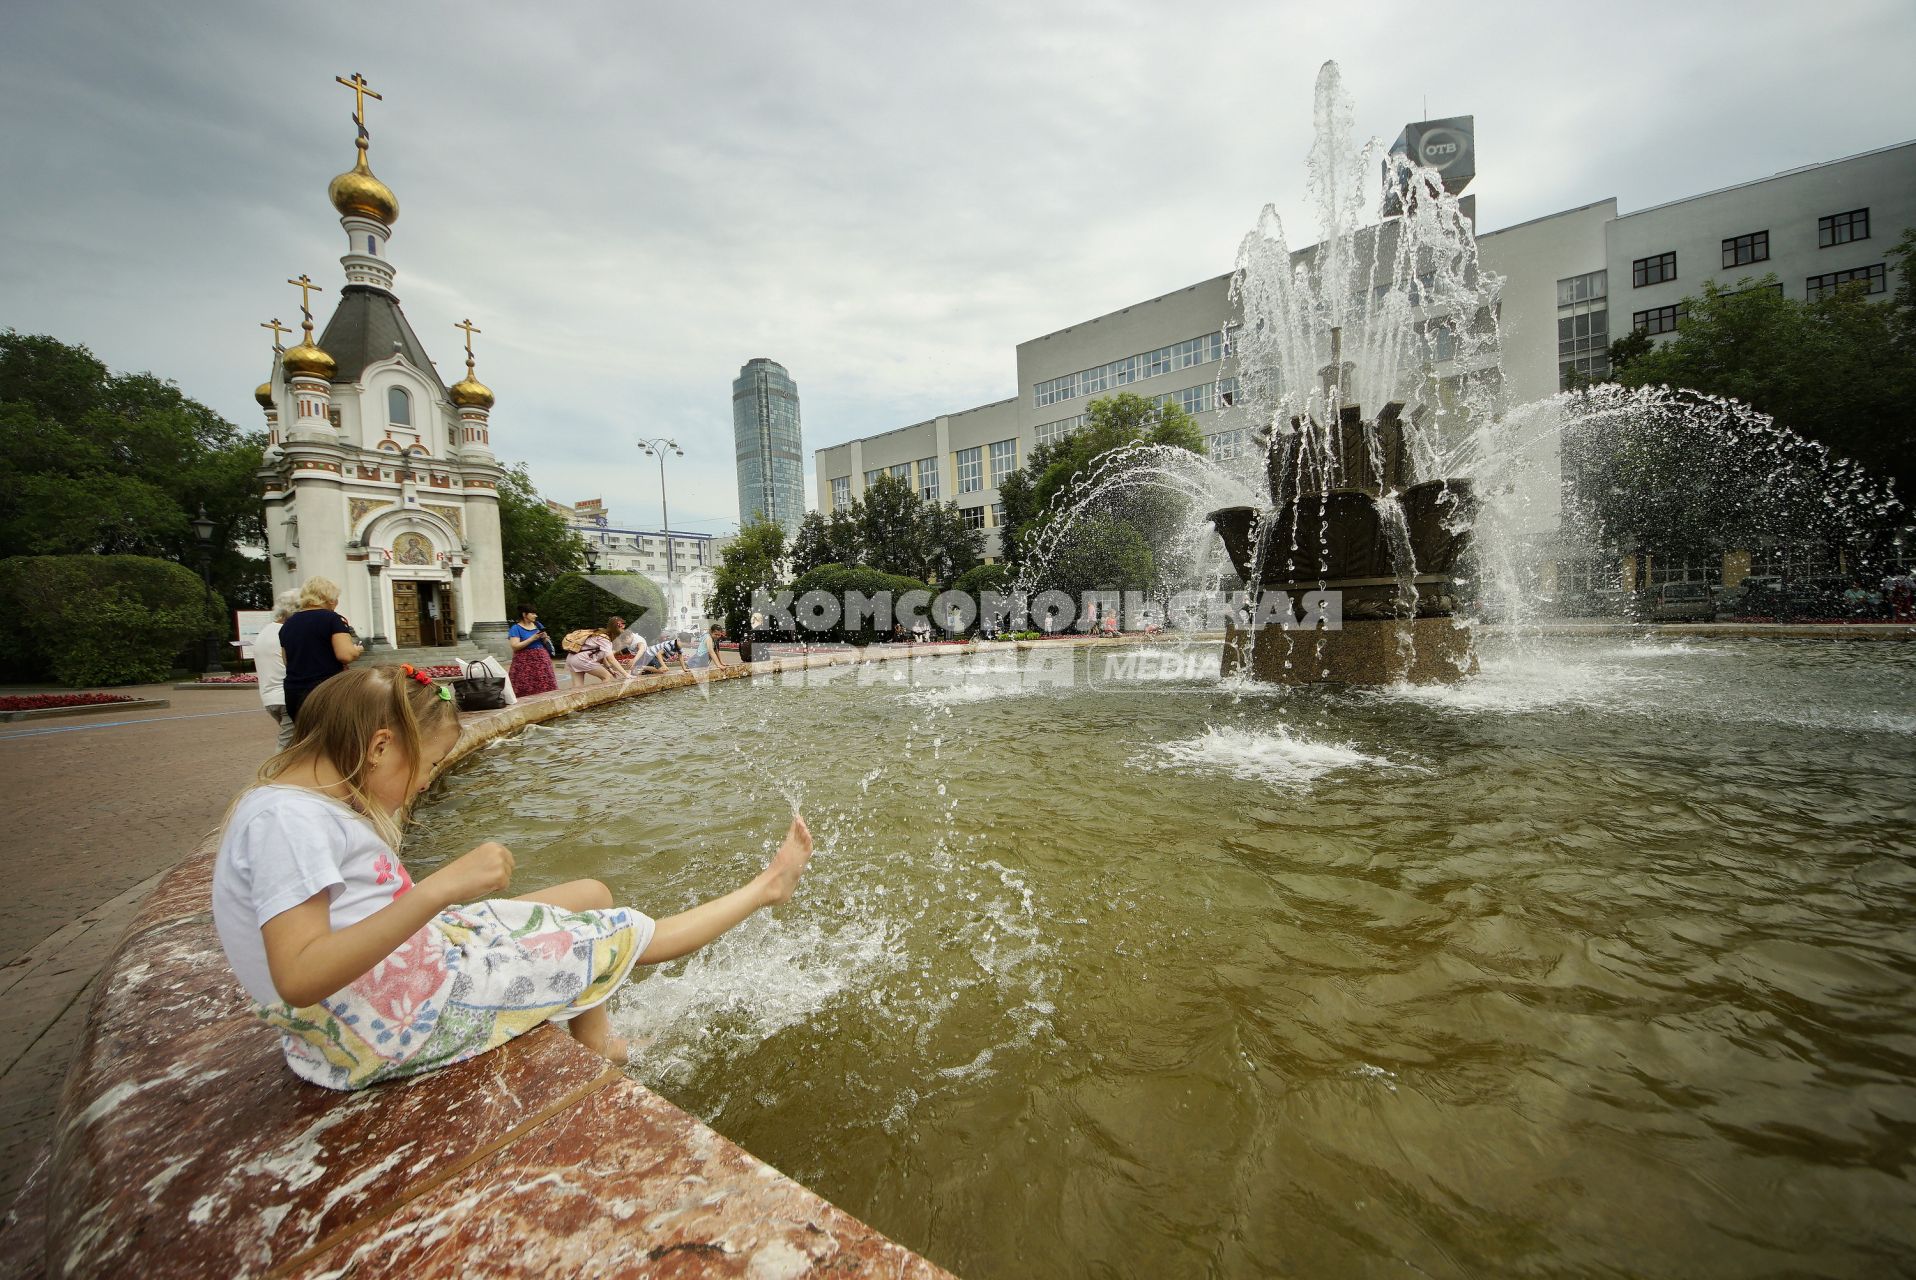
[633,200]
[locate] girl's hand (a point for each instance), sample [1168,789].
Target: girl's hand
[472,877]
[780,877]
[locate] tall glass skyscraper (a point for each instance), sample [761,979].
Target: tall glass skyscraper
[771,458]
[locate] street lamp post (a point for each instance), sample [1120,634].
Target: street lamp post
[203,529]
[591,556]
[657,448]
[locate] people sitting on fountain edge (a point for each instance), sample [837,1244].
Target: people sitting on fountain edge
[311,901]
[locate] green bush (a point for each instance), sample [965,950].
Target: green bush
[986,577]
[836,580]
[572,602]
[102,620]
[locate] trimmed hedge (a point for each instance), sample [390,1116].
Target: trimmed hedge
[835,580]
[102,620]
[985,577]
[572,602]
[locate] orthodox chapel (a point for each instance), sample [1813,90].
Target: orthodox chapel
[378,475]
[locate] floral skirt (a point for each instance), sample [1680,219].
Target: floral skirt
[531,671]
[469,981]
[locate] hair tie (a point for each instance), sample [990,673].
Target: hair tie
[416,674]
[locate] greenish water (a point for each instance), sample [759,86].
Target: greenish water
[1604,963]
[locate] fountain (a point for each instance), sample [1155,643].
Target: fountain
[1389,543]
[1102,972]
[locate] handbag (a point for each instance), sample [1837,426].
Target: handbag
[482,691]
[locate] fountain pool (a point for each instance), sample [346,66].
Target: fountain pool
[1601,962]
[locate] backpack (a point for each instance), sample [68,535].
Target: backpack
[575,640]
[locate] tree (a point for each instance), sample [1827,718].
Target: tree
[952,548]
[535,542]
[1100,554]
[844,535]
[1839,370]
[892,529]
[750,563]
[1626,349]
[811,547]
[93,462]
[1032,495]
[101,620]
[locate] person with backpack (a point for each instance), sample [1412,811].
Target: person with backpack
[589,655]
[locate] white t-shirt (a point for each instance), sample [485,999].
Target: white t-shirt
[282,846]
[270,666]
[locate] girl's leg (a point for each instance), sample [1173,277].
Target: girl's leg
[593,1029]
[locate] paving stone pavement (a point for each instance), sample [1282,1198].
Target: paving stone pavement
[96,809]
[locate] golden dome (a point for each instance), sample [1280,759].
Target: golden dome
[470,393]
[264,394]
[356,191]
[308,359]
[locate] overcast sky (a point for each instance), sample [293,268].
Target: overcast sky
[632,200]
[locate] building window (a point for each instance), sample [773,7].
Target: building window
[1707,571]
[1228,446]
[1004,460]
[1658,319]
[901,471]
[1052,432]
[974,517]
[1740,251]
[928,479]
[1583,327]
[398,407]
[1873,279]
[871,477]
[841,492]
[372,246]
[971,470]
[1841,228]
[997,515]
[1653,270]
[1119,373]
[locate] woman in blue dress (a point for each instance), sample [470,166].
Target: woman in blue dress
[531,655]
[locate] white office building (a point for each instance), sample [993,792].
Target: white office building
[1571,282]
[682,565]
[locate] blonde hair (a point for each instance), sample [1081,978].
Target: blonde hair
[337,723]
[317,592]
[285,604]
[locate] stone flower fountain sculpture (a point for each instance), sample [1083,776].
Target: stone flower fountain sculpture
[1349,515]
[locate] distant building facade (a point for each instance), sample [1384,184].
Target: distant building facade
[770,450]
[682,566]
[1571,283]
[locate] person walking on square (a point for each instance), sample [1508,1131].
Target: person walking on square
[367,975]
[316,643]
[531,670]
[269,664]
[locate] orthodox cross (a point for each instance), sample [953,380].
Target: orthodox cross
[470,329]
[279,330]
[306,287]
[361,92]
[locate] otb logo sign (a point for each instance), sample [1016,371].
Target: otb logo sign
[1441,148]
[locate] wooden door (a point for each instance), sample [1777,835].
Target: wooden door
[406,615]
[448,613]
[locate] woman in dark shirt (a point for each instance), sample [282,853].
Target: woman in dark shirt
[316,641]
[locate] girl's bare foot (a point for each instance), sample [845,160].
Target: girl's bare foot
[788,864]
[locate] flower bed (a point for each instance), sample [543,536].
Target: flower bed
[51,701]
[244,677]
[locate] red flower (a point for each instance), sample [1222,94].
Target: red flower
[47,701]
